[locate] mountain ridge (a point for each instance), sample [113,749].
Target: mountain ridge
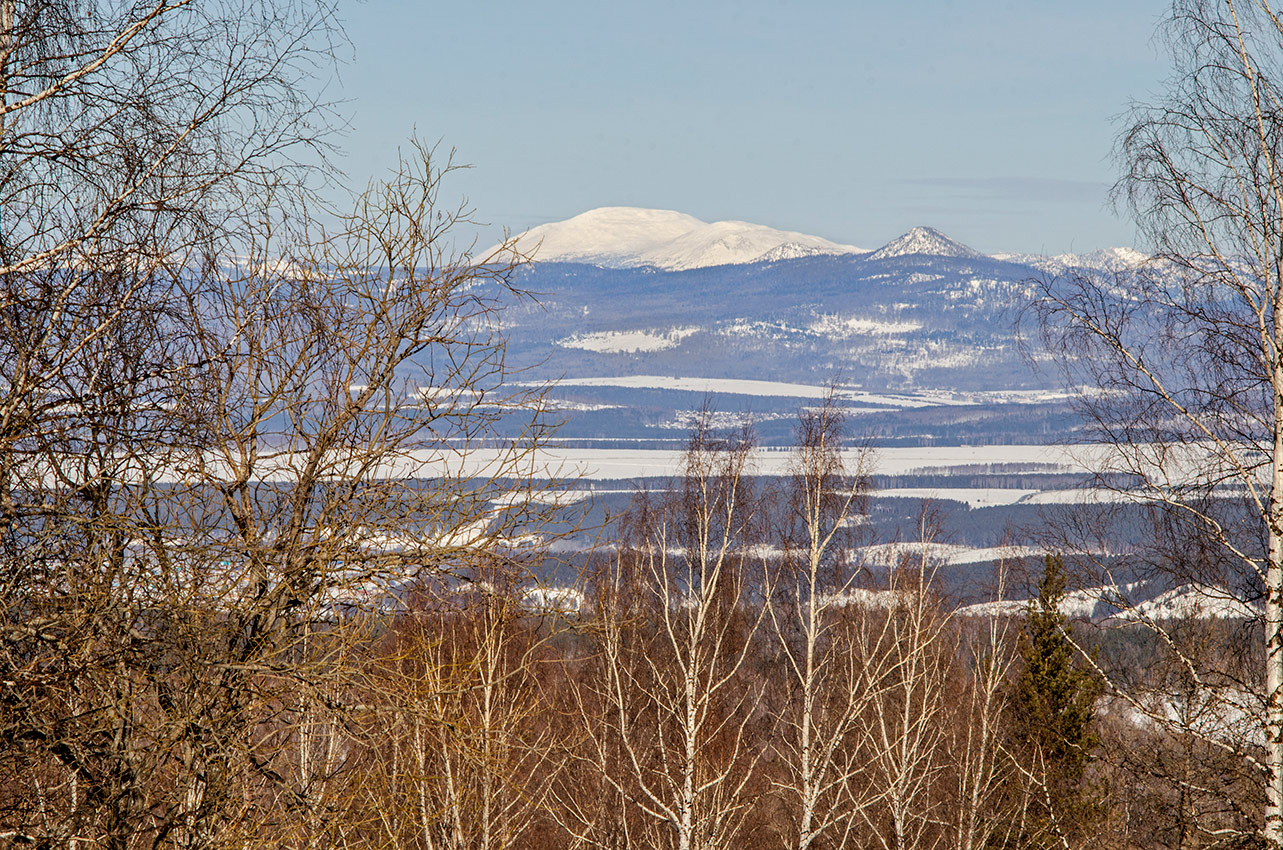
[667,240]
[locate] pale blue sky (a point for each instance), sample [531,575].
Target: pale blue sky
[990,120]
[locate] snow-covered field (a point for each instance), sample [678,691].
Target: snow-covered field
[940,554]
[597,464]
[738,386]
[780,389]
[594,464]
[900,460]
[785,389]
[986,497]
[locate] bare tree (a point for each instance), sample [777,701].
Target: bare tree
[669,708]
[907,735]
[464,751]
[128,123]
[218,486]
[128,135]
[992,806]
[818,622]
[1187,354]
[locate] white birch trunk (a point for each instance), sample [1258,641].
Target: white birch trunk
[1274,613]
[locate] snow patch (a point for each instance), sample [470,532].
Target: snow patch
[1077,604]
[1190,601]
[841,328]
[627,342]
[757,329]
[553,600]
[581,406]
[719,420]
[1105,602]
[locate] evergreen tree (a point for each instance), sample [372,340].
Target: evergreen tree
[1053,705]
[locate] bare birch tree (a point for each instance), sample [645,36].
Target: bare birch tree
[907,735]
[670,706]
[462,747]
[990,811]
[823,637]
[1187,354]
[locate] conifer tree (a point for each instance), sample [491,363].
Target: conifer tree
[1053,704]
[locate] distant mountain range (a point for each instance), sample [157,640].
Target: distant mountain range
[646,320]
[642,315]
[631,237]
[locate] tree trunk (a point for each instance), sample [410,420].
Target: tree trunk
[1274,613]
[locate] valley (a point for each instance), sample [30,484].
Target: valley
[639,328]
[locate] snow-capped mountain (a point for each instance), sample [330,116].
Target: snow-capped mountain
[926,241]
[630,237]
[651,321]
[627,293]
[665,240]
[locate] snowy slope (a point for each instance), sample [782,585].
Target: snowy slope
[1106,259]
[629,237]
[614,237]
[1103,602]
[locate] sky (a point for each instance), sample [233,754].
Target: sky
[991,121]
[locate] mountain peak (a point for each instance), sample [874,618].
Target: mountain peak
[625,237]
[924,240]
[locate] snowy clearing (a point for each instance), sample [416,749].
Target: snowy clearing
[940,554]
[1106,602]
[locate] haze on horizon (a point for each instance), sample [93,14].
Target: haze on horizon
[991,121]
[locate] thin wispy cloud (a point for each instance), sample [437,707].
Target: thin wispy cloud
[1012,188]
